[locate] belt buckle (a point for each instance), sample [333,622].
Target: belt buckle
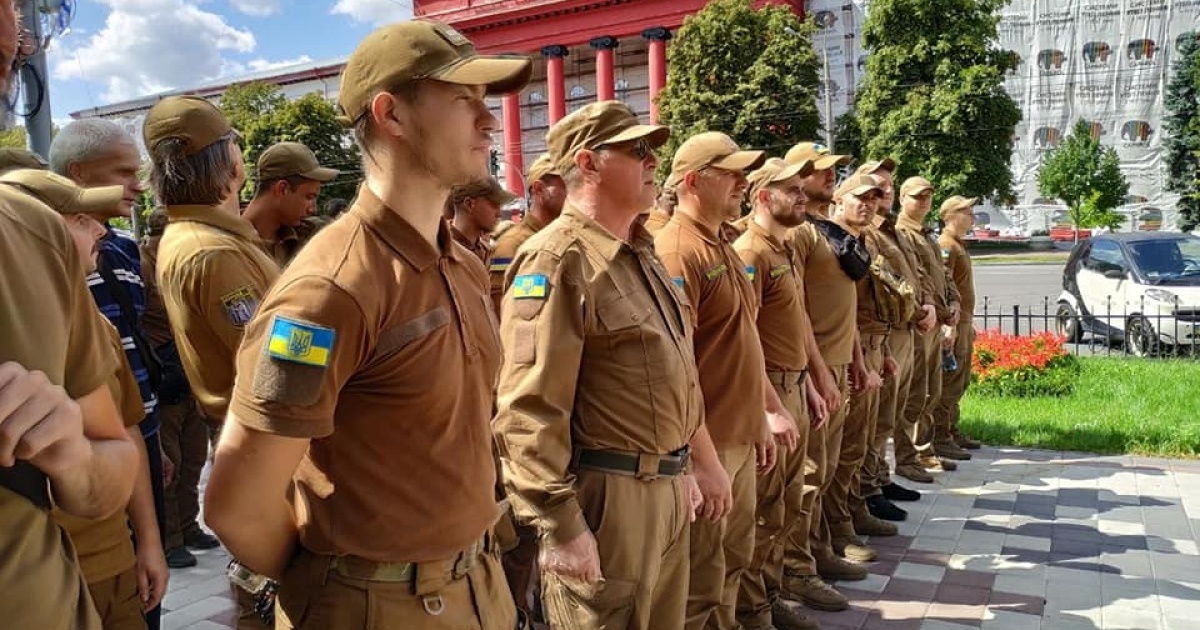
[647,466]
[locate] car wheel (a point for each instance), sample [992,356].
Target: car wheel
[1140,338]
[1066,322]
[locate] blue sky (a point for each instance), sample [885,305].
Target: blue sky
[121,49]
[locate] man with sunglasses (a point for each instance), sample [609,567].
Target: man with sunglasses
[598,397]
[743,414]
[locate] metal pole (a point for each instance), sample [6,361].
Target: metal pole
[828,104]
[35,84]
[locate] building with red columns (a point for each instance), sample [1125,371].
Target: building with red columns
[584,50]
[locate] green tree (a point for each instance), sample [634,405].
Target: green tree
[747,72]
[264,116]
[933,97]
[1182,137]
[847,135]
[1085,176]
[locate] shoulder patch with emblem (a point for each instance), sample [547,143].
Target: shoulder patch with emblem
[300,342]
[750,273]
[779,270]
[530,286]
[499,264]
[715,272]
[677,281]
[240,305]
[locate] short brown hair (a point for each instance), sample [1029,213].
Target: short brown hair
[203,178]
[293,181]
[364,125]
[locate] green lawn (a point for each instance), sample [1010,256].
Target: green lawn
[1149,407]
[1021,258]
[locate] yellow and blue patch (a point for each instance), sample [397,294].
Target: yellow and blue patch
[300,342]
[678,280]
[499,264]
[530,286]
[750,273]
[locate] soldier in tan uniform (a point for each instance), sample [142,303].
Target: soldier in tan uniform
[288,179]
[113,571]
[598,396]
[13,159]
[212,269]
[958,214]
[547,192]
[784,503]
[474,210]
[876,487]
[742,410]
[916,195]
[365,381]
[832,316]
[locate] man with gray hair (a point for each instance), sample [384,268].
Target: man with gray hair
[96,152]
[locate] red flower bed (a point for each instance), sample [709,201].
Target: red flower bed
[1014,365]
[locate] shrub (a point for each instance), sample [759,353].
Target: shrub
[1022,366]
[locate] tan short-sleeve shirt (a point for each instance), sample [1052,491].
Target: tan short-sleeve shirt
[212,274]
[830,295]
[48,322]
[384,351]
[728,352]
[940,288]
[779,286]
[958,264]
[505,249]
[598,356]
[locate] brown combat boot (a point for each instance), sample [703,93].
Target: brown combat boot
[833,568]
[949,450]
[937,464]
[853,548]
[788,616]
[866,524]
[813,592]
[914,473]
[966,441]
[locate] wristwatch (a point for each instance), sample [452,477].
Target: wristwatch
[261,588]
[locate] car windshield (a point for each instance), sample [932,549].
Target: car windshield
[1174,261]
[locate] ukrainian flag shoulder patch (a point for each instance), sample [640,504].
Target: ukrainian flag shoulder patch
[530,286]
[300,342]
[499,264]
[750,273]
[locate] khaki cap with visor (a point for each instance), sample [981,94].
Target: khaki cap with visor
[915,186]
[192,119]
[958,203]
[400,53]
[874,166]
[595,125]
[773,171]
[541,167]
[489,189]
[288,159]
[816,153]
[711,148]
[13,159]
[63,195]
[858,185]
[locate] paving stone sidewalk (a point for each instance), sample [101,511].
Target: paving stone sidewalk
[1013,540]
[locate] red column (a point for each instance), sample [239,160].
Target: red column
[658,65]
[556,93]
[513,158]
[604,67]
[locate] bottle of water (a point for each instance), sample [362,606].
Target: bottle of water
[949,363]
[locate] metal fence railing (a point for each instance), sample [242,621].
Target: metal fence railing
[1146,328]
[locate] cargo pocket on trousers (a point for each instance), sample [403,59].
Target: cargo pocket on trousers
[578,605]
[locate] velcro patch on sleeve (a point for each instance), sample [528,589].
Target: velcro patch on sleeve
[497,265]
[240,305]
[300,342]
[530,286]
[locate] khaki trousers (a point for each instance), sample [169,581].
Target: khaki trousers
[845,499]
[954,384]
[312,596]
[875,474]
[784,505]
[117,601]
[824,449]
[641,530]
[722,551]
[184,436]
[926,388]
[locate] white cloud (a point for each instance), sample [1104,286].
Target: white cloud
[258,65]
[258,8]
[375,11]
[148,46]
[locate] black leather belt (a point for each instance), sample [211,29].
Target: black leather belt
[643,465]
[26,480]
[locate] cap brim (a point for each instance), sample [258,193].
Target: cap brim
[741,160]
[803,169]
[826,162]
[503,198]
[655,135]
[501,74]
[99,199]
[918,189]
[858,191]
[321,174]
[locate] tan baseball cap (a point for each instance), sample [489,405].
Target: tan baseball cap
[958,203]
[775,170]
[871,167]
[816,153]
[489,189]
[190,118]
[857,185]
[401,53]
[63,195]
[13,159]
[540,168]
[596,124]
[711,148]
[915,185]
[286,159]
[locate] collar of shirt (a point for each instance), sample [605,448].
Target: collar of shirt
[775,243]
[710,235]
[532,222]
[911,224]
[599,237]
[399,234]
[214,216]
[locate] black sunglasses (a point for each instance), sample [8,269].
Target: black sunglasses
[639,148]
